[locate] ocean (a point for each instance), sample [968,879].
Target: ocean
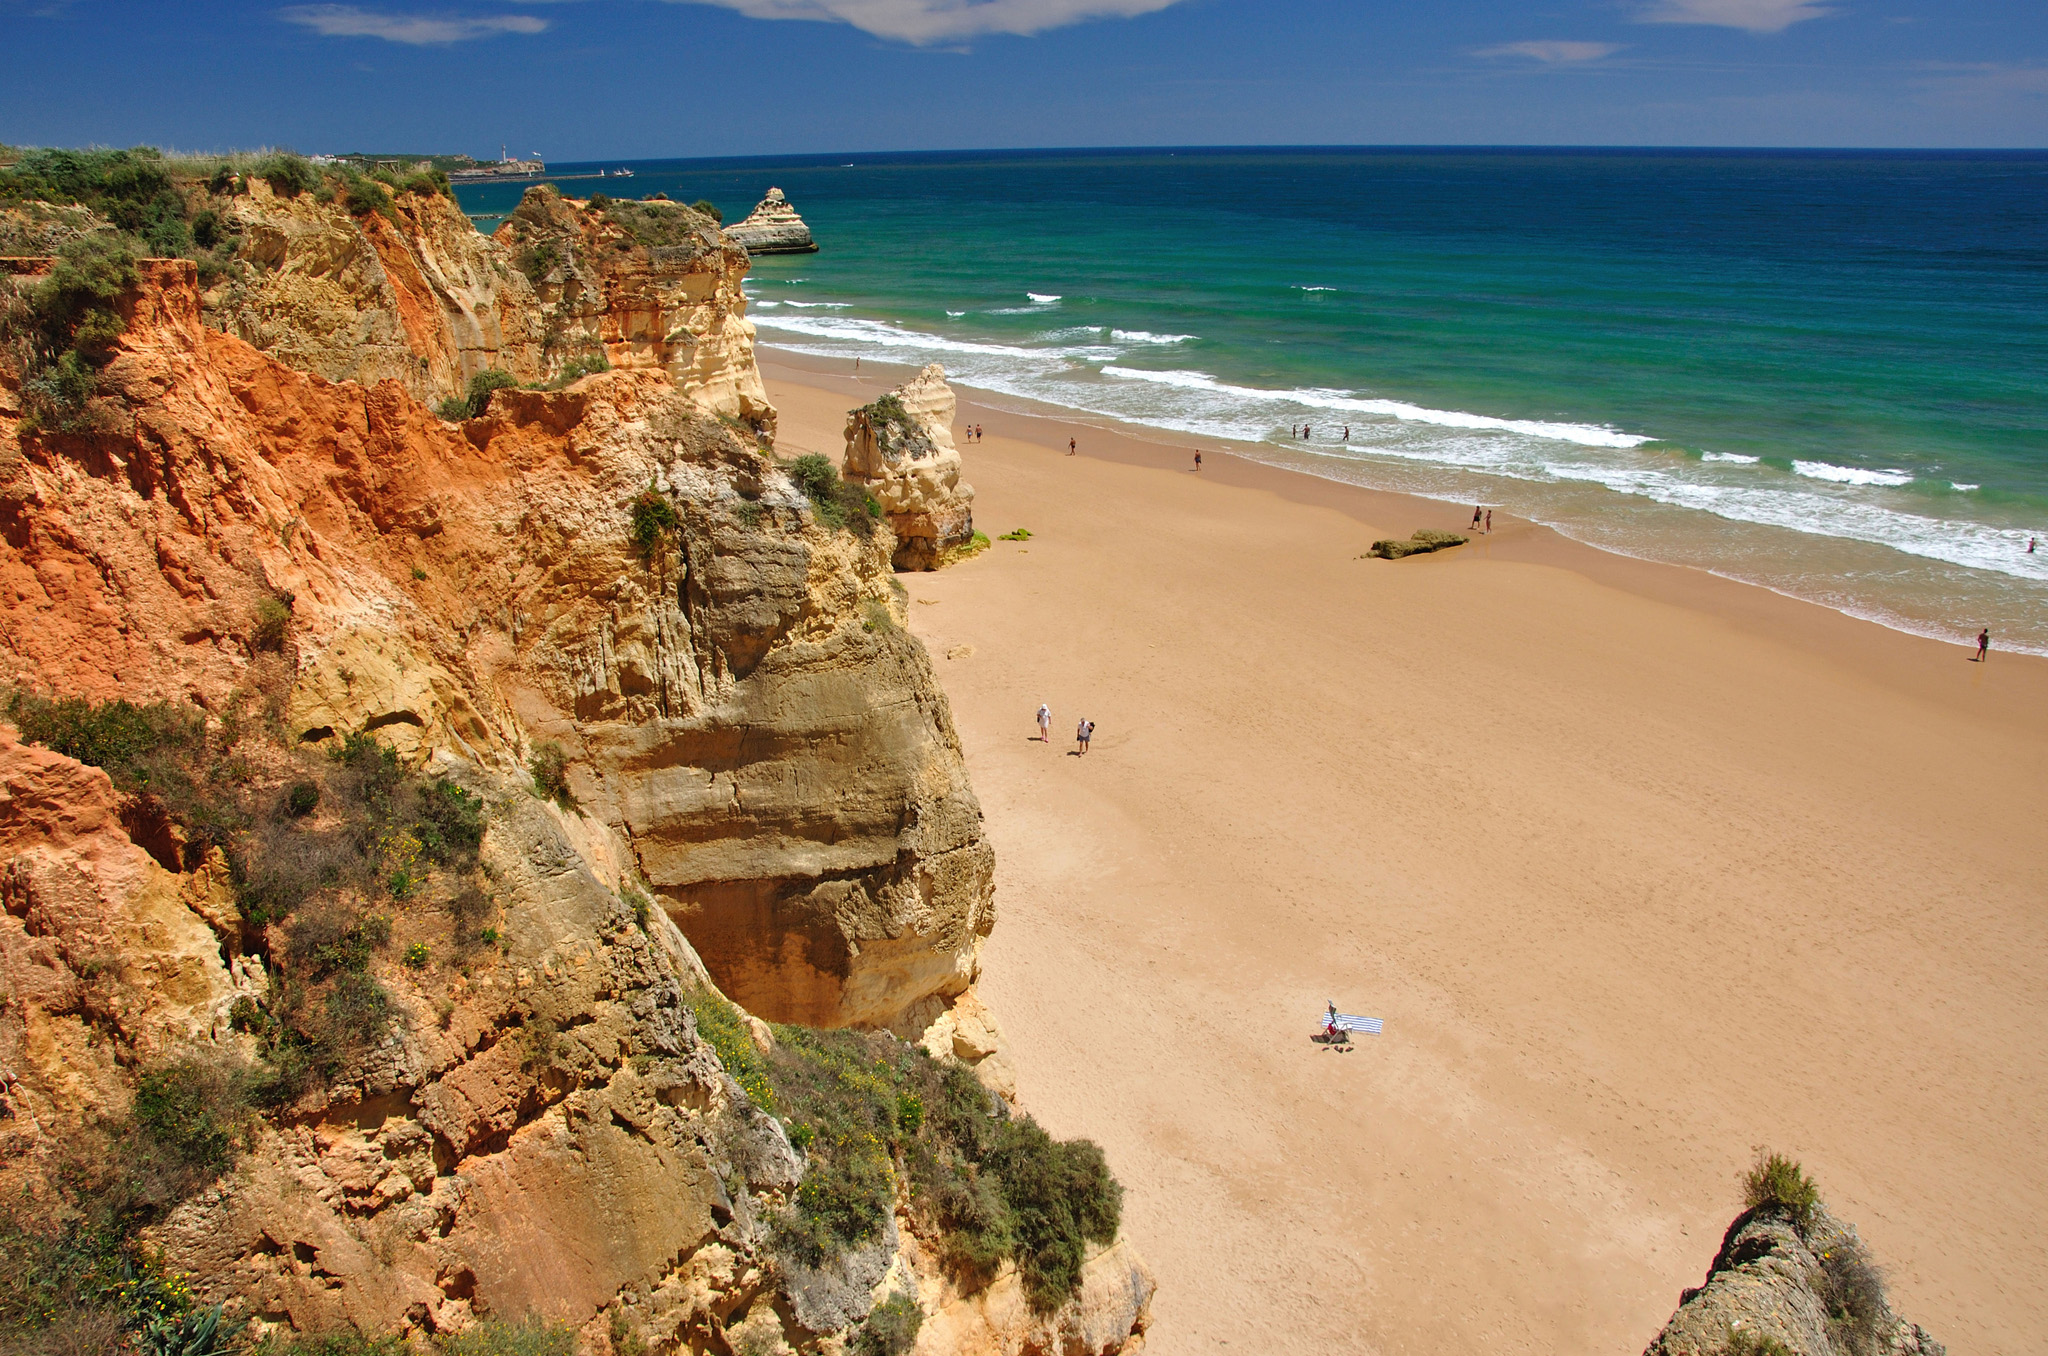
[1823,373]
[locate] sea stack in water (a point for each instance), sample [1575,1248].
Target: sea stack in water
[773,227]
[901,449]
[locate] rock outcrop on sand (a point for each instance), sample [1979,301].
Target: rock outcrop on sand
[543,1128]
[773,227]
[1424,541]
[901,448]
[1781,1287]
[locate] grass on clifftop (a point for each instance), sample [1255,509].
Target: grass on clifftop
[875,1117]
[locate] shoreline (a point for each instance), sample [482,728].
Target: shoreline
[1915,662]
[1641,867]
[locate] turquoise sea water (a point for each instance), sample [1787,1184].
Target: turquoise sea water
[1823,373]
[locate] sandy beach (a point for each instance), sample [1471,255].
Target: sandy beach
[1642,868]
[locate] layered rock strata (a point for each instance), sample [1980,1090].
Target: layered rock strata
[1810,1288]
[773,227]
[415,295]
[743,738]
[901,448]
[653,286]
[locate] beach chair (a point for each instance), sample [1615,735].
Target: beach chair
[1336,1027]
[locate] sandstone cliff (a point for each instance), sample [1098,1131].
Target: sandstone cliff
[651,285]
[749,734]
[414,294]
[773,227]
[1785,1286]
[901,448]
[416,297]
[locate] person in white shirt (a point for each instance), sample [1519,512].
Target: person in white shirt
[1044,723]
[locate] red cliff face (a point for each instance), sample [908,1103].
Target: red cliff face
[744,741]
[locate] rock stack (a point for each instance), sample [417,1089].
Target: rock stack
[773,227]
[901,449]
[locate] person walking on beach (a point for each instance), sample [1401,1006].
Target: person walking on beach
[1071,445]
[1082,733]
[1044,723]
[1198,461]
[1983,644]
[1489,521]
[1476,511]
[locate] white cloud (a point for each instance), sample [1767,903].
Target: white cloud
[1757,16]
[346,21]
[1553,52]
[923,21]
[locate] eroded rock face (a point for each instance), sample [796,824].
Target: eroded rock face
[422,300]
[773,227]
[652,286]
[545,1131]
[1812,1289]
[901,448]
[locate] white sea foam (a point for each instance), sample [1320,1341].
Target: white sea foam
[820,305]
[1043,298]
[1313,398]
[1450,453]
[1147,337]
[1963,486]
[1850,475]
[956,314]
[1300,288]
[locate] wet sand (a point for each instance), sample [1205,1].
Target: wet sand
[1641,867]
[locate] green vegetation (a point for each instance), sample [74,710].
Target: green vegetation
[576,369]
[497,1338]
[871,1112]
[477,399]
[1777,1182]
[491,1337]
[839,504]
[654,519]
[550,769]
[1424,540]
[718,1022]
[876,617]
[1750,1342]
[538,260]
[709,209]
[657,225]
[1016,534]
[1851,1290]
[60,329]
[891,1329]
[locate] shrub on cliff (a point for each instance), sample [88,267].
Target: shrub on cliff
[1778,1182]
[988,1188]
[62,328]
[839,504]
[288,175]
[654,518]
[477,398]
[709,209]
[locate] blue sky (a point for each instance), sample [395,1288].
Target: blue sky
[619,79]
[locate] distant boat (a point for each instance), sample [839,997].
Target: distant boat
[622,174]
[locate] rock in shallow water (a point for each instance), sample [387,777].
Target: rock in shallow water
[773,227]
